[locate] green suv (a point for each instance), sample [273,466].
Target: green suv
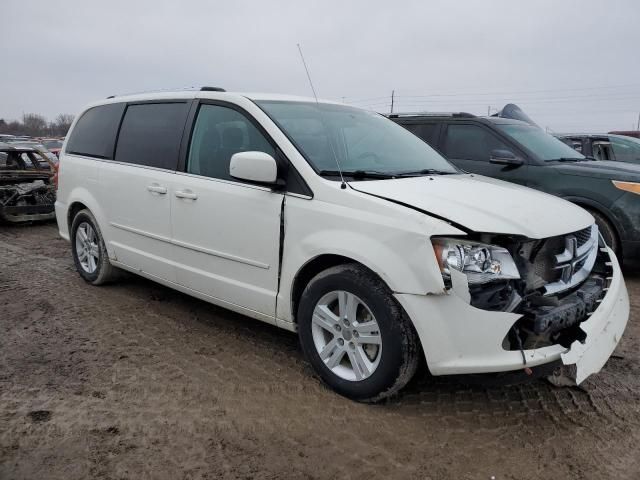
[520,152]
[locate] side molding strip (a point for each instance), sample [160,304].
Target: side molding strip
[195,248]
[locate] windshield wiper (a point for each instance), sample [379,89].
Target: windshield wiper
[426,171]
[357,174]
[568,159]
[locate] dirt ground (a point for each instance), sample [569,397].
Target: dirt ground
[134,380]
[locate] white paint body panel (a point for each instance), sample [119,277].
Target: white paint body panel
[223,245]
[138,228]
[226,241]
[485,204]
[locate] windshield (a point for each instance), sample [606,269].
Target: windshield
[540,144]
[360,140]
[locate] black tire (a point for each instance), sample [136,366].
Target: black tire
[607,231]
[400,351]
[104,272]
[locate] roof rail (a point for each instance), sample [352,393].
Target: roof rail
[432,114]
[169,90]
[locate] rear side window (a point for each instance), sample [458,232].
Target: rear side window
[150,134]
[426,131]
[470,142]
[95,132]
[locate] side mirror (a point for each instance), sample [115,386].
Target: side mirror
[505,157]
[254,166]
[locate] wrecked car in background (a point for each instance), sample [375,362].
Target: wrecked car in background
[27,190]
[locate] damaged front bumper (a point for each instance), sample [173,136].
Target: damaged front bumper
[458,338]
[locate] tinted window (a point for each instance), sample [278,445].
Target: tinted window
[150,134]
[426,131]
[220,132]
[95,132]
[471,142]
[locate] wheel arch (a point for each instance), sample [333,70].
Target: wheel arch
[73,210]
[81,199]
[313,267]
[598,208]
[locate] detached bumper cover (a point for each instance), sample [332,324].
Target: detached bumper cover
[604,329]
[458,338]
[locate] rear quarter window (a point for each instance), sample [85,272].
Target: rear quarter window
[94,135]
[150,134]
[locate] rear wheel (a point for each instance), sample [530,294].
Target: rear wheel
[355,335]
[89,251]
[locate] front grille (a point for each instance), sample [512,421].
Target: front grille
[583,236]
[565,261]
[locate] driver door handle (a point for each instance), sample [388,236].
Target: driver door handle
[188,194]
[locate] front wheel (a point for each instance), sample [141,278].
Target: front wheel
[607,231]
[355,335]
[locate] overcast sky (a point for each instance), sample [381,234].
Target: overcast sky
[571,65]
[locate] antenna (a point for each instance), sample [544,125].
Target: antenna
[343,185]
[308,75]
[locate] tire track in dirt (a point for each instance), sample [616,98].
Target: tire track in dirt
[140,381]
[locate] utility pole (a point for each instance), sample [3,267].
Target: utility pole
[393,94]
[489,111]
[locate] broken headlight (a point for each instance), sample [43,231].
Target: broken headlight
[480,262]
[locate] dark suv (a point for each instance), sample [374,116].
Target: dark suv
[521,152]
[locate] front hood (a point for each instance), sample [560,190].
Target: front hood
[483,204]
[627,172]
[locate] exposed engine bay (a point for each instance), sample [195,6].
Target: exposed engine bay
[27,190]
[563,279]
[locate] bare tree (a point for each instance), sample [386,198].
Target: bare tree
[36,125]
[61,124]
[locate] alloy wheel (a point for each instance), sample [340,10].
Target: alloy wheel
[346,335]
[87,247]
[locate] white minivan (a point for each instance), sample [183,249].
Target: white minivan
[337,223]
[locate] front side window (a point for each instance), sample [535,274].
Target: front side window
[94,134]
[626,150]
[336,136]
[219,133]
[471,142]
[539,143]
[150,134]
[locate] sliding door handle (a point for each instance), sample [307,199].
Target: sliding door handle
[188,194]
[155,188]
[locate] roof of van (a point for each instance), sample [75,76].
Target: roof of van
[188,94]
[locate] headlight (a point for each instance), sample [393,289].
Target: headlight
[481,263]
[627,186]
